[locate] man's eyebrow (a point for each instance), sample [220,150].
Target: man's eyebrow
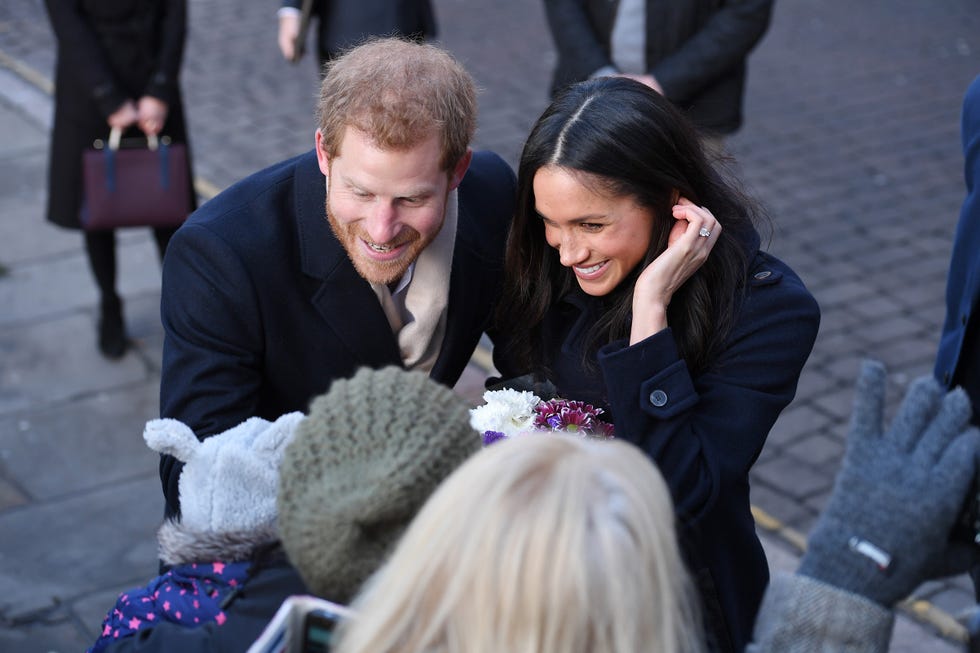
[420,191]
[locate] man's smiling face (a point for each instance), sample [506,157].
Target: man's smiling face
[385,206]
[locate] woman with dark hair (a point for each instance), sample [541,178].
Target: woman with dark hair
[635,283]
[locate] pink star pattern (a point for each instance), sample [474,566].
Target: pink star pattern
[189,595]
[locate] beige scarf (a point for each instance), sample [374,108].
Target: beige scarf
[417,309]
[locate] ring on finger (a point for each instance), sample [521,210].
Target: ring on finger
[704,232]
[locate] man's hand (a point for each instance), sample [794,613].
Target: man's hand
[288,33]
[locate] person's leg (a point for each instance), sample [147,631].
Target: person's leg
[162,235]
[101,249]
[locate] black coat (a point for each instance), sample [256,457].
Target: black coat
[262,307]
[696,49]
[109,51]
[344,23]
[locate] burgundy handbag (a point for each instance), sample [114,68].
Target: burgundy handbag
[145,186]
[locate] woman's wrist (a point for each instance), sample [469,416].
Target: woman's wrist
[648,320]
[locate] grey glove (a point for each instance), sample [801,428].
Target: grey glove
[886,527]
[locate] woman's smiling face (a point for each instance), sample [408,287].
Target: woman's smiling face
[599,236]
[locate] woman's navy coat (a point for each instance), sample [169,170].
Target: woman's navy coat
[704,432]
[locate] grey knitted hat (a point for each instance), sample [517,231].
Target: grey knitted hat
[360,466]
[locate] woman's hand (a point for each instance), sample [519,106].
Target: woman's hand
[152,115]
[687,250]
[124,116]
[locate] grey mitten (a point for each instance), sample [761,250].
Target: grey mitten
[898,493]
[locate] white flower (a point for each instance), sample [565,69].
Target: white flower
[507,411]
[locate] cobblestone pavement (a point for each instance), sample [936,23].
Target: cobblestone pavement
[850,141]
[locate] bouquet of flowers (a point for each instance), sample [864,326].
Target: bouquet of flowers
[507,413]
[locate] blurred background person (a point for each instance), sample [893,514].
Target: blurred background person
[692,51]
[342,24]
[118,65]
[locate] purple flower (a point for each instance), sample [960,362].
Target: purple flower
[489,437]
[509,413]
[603,429]
[571,417]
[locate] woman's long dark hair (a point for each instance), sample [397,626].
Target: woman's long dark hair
[632,142]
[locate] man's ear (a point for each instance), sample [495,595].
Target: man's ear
[459,170]
[321,154]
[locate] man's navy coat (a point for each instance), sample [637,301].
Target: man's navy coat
[262,308]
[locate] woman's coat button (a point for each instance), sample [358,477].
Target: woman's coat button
[658,398]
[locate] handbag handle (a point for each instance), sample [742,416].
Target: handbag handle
[153,144]
[115,138]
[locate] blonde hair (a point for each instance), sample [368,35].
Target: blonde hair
[537,544]
[399,93]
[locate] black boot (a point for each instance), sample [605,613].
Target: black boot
[112,333]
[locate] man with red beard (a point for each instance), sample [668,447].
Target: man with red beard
[382,246]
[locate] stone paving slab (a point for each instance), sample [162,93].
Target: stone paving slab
[108,533]
[57,632]
[55,361]
[42,450]
[22,204]
[18,134]
[62,282]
